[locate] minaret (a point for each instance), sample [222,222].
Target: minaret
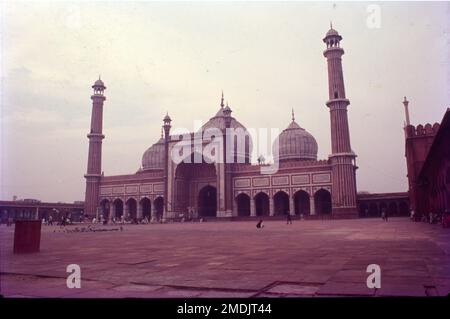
[166,126]
[342,157]
[94,166]
[228,187]
[405,104]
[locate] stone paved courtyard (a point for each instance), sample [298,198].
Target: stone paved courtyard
[233,259]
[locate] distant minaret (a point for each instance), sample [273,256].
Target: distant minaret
[405,104]
[94,166]
[342,157]
[166,126]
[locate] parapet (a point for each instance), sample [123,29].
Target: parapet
[421,130]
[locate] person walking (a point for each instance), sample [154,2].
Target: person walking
[384,215]
[288,219]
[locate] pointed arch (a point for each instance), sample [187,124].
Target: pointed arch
[322,200]
[262,204]
[207,201]
[146,206]
[158,205]
[131,208]
[281,203]
[301,203]
[118,208]
[243,204]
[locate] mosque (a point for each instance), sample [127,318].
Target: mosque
[303,184]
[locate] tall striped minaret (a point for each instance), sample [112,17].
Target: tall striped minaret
[342,157]
[95,136]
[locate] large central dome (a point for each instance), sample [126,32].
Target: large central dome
[153,157]
[295,143]
[241,135]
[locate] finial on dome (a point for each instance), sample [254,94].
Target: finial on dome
[293,115]
[331,24]
[221,101]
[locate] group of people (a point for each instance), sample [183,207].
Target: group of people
[122,220]
[432,217]
[62,222]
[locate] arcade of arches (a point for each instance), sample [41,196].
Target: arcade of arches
[301,203]
[132,208]
[206,203]
[372,205]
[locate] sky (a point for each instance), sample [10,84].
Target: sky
[177,57]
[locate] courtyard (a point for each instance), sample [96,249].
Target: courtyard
[311,258]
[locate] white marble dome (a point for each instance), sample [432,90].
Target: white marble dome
[295,143]
[153,157]
[218,121]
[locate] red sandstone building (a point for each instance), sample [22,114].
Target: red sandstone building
[427,151]
[303,184]
[38,210]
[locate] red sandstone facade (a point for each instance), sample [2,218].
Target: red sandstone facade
[427,151]
[303,185]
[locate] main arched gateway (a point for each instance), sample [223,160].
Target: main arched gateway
[195,189]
